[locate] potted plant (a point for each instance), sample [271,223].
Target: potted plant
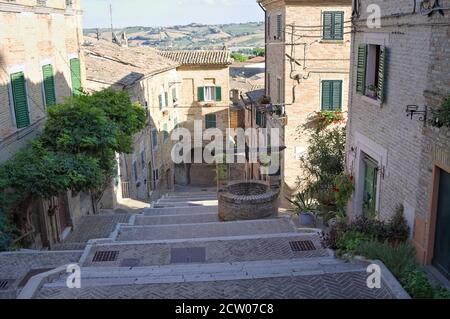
[304,205]
[372,91]
[264,100]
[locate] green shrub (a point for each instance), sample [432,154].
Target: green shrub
[416,283]
[441,116]
[398,229]
[441,293]
[398,258]
[350,242]
[6,233]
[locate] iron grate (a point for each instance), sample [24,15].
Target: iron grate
[4,284]
[305,245]
[105,256]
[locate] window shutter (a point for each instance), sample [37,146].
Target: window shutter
[327,94]
[338,25]
[279,27]
[268,26]
[166,98]
[218,93]
[361,69]
[337,96]
[19,93]
[328,25]
[160,98]
[49,85]
[382,74]
[154,138]
[75,71]
[210,121]
[201,94]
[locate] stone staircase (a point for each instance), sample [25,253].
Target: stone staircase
[179,248]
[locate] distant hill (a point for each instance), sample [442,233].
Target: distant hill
[192,36]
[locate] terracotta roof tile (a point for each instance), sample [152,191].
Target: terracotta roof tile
[109,63]
[199,57]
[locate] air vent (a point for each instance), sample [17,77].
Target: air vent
[4,284]
[105,256]
[306,245]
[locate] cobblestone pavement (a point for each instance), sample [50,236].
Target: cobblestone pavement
[331,286]
[216,251]
[15,266]
[270,226]
[96,226]
[177,219]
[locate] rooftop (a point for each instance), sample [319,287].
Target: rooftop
[109,63]
[199,57]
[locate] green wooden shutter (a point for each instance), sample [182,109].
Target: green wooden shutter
[279,27]
[210,120]
[328,25]
[19,94]
[382,74]
[337,96]
[75,70]
[201,94]
[327,95]
[160,99]
[154,138]
[361,69]
[166,98]
[338,25]
[218,93]
[49,85]
[165,131]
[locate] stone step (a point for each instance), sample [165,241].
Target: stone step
[204,230]
[208,250]
[194,198]
[184,210]
[188,203]
[97,277]
[176,219]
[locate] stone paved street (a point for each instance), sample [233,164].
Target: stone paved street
[185,252]
[331,286]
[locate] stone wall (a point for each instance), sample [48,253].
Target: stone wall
[247,201]
[315,60]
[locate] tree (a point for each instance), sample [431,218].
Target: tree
[75,152]
[238,57]
[99,126]
[259,52]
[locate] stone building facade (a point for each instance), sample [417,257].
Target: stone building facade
[398,159]
[152,81]
[205,89]
[307,70]
[40,64]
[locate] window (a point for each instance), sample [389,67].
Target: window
[210,121]
[165,131]
[268,84]
[370,187]
[174,95]
[279,90]
[268,26]
[209,93]
[260,119]
[20,100]
[166,99]
[135,171]
[75,71]
[331,95]
[371,71]
[142,160]
[49,85]
[175,122]
[155,175]
[279,27]
[154,138]
[333,25]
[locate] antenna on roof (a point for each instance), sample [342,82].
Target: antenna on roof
[111,16]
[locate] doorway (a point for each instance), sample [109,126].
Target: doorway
[370,187]
[441,256]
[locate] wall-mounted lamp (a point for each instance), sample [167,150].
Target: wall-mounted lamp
[412,110]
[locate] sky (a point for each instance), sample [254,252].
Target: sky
[169,12]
